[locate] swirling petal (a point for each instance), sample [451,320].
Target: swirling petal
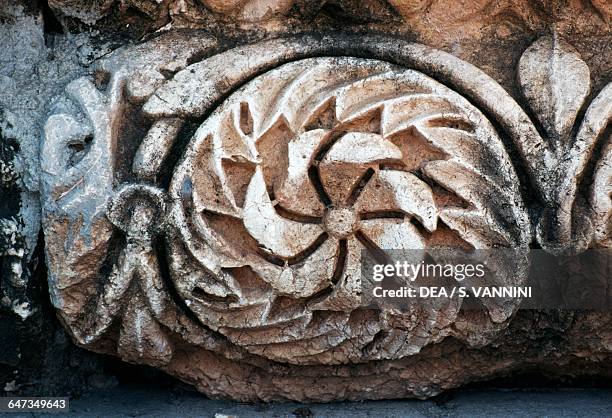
[306,278]
[314,274]
[349,158]
[346,294]
[297,193]
[280,236]
[356,99]
[391,190]
[473,188]
[393,234]
[361,148]
[405,112]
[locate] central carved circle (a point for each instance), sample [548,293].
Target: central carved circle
[340,222]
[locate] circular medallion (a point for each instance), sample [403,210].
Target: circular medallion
[307,169]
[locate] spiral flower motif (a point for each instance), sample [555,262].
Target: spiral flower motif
[310,165]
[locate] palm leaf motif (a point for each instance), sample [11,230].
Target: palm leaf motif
[308,165]
[556,83]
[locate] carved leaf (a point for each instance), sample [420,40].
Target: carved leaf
[595,125]
[556,81]
[601,198]
[142,339]
[297,192]
[391,190]
[397,235]
[572,229]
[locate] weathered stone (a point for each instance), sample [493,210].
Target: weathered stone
[207,197]
[271,201]
[555,81]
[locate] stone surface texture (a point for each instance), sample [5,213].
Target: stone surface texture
[206,176]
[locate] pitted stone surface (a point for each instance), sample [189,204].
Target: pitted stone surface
[340,222]
[206,201]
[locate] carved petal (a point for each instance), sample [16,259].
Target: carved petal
[281,236]
[347,292]
[208,186]
[474,189]
[556,81]
[306,327]
[348,159]
[391,190]
[403,113]
[311,276]
[316,85]
[297,192]
[393,234]
[474,228]
[467,149]
[362,148]
[355,99]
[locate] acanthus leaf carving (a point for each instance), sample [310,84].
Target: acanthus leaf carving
[80,168]
[134,209]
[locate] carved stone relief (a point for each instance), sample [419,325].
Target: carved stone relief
[556,82]
[229,243]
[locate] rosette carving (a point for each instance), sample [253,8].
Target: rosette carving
[295,175]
